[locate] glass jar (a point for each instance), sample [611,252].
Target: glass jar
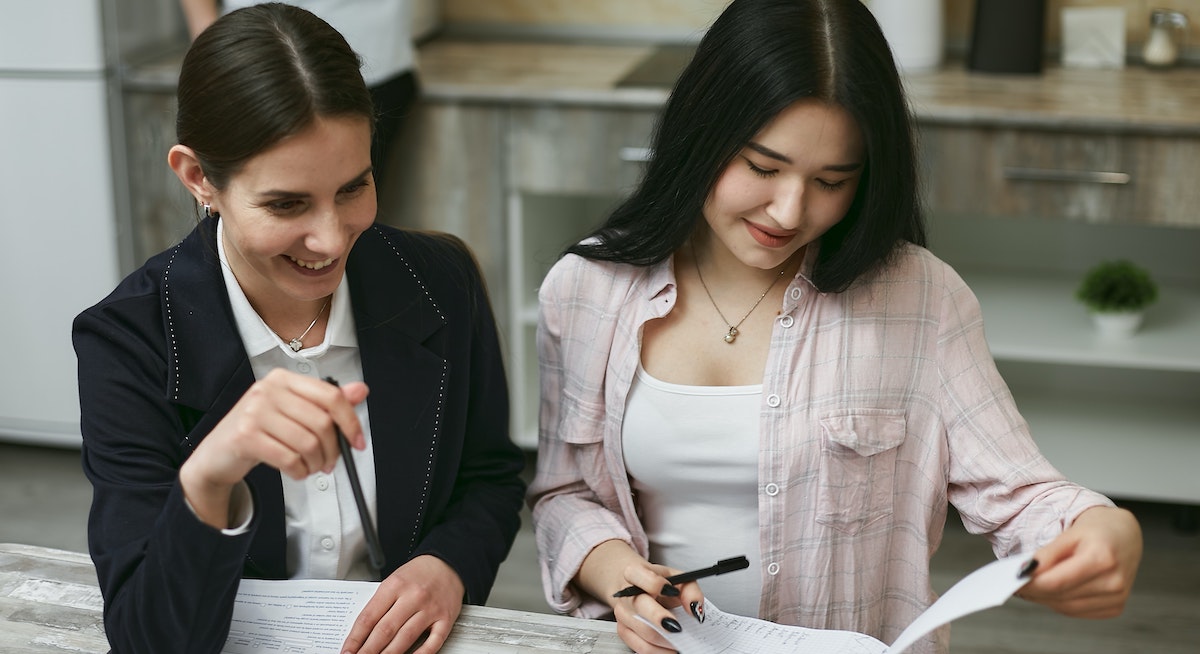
[1165,39]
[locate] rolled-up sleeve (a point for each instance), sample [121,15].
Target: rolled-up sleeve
[1001,484]
[572,496]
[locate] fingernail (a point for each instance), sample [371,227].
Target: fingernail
[671,625]
[698,611]
[1028,569]
[670,591]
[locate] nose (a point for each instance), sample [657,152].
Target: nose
[325,234]
[787,203]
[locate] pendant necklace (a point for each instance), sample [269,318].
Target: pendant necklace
[732,334]
[297,343]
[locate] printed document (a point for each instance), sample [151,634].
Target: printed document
[988,586]
[314,615]
[295,616]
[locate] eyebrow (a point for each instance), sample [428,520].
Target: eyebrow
[768,152]
[281,194]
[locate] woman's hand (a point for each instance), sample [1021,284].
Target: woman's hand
[1088,571]
[613,565]
[422,595]
[285,420]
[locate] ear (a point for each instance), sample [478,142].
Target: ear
[186,164]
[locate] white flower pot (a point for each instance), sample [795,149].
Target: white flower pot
[1117,325]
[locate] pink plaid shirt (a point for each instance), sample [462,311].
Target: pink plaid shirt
[879,405]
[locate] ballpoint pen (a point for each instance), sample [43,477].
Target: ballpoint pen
[722,566]
[374,549]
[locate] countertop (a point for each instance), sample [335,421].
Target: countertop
[49,602]
[1134,99]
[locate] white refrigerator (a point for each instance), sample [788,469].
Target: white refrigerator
[57,216]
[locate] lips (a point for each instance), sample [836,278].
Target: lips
[312,265]
[768,238]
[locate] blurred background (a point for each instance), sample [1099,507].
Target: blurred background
[1054,134]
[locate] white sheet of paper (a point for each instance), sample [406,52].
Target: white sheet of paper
[295,616]
[738,634]
[988,586]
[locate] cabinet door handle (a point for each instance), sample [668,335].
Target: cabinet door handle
[636,155]
[1078,176]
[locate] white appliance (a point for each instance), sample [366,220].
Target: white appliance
[57,216]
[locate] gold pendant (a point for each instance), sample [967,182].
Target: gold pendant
[732,335]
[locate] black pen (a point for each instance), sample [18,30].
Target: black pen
[723,566]
[374,549]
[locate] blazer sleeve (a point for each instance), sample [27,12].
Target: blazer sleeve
[168,580]
[476,529]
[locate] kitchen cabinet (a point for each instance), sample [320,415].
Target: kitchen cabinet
[1091,176]
[1030,181]
[519,183]
[569,166]
[1022,213]
[450,177]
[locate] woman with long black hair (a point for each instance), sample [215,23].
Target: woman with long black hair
[756,354]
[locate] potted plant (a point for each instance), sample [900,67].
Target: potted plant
[1117,293]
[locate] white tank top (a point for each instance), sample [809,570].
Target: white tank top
[692,457]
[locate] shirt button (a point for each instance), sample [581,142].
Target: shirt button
[772,489]
[786,322]
[327,543]
[773,569]
[303,367]
[796,293]
[773,400]
[322,482]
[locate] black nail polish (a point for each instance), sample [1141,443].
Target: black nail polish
[670,591]
[698,611]
[671,625]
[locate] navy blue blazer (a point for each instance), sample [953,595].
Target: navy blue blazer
[161,362]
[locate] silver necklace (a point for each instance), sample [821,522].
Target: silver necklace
[297,343]
[732,334]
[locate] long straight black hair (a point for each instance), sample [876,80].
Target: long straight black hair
[758,58]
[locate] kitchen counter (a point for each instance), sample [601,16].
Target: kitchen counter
[1131,100]
[49,602]
[1134,99]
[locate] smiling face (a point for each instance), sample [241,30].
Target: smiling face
[793,181]
[293,212]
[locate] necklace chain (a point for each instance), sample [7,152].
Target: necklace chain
[732,334]
[297,343]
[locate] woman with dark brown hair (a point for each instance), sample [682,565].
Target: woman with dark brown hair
[210,437]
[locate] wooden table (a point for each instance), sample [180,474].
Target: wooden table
[50,603]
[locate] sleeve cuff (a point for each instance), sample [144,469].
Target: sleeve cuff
[241,510]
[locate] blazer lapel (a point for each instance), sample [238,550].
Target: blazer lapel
[209,372]
[396,321]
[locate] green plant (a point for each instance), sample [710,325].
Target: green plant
[1117,286]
